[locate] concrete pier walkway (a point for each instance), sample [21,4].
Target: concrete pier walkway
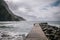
[36,33]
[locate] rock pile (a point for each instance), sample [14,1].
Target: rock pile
[52,32]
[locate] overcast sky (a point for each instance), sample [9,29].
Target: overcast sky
[32,10]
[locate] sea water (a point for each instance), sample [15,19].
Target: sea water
[19,29]
[54,23]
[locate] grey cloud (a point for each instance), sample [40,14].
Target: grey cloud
[29,7]
[18,5]
[28,17]
[57,16]
[56,3]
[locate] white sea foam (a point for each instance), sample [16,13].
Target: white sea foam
[15,30]
[11,35]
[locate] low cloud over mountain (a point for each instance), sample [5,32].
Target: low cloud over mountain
[48,10]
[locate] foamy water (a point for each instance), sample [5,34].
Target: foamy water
[11,36]
[16,30]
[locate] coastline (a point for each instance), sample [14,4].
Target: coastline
[51,32]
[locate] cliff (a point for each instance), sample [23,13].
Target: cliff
[6,14]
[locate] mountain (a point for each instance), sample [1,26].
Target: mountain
[6,14]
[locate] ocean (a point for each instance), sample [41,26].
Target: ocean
[54,23]
[21,27]
[16,29]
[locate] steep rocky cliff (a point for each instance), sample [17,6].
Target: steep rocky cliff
[6,14]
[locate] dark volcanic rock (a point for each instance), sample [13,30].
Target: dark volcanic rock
[6,14]
[52,32]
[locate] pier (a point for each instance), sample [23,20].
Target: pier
[36,33]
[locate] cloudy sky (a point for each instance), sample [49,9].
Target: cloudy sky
[35,10]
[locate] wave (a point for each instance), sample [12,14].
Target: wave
[5,35]
[5,27]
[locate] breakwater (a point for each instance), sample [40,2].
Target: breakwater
[52,32]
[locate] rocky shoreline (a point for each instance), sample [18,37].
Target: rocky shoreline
[52,32]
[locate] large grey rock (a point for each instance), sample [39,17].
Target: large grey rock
[6,14]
